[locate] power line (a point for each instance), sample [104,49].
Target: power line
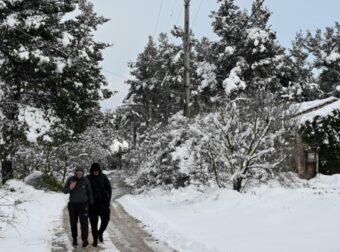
[172,12]
[196,15]
[115,74]
[35,39]
[252,14]
[179,14]
[159,15]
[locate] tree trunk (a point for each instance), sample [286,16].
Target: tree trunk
[65,163]
[215,170]
[134,136]
[237,183]
[7,170]
[120,161]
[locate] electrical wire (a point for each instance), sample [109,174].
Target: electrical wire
[252,14]
[115,74]
[158,18]
[197,12]
[179,14]
[174,7]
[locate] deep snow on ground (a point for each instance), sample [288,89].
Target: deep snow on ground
[35,217]
[36,220]
[265,219]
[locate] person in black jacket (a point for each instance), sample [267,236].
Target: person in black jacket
[81,197]
[102,192]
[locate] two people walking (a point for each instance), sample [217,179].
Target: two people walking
[90,197]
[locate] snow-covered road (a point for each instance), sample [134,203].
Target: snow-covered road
[40,223]
[264,219]
[124,233]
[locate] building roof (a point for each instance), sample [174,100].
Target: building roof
[307,111]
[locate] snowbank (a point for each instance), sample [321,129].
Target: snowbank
[265,219]
[36,215]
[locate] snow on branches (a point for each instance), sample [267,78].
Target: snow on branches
[249,134]
[245,138]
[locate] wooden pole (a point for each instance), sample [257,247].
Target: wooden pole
[187,47]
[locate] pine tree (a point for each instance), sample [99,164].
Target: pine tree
[155,91]
[302,86]
[249,56]
[208,92]
[143,70]
[326,50]
[50,64]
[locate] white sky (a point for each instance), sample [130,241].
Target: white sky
[132,21]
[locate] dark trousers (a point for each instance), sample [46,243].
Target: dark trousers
[97,211]
[79,211]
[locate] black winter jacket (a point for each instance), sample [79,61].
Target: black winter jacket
[101,188]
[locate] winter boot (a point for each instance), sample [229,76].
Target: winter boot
[95,243]
[85,243]
[100,237]
[74,243]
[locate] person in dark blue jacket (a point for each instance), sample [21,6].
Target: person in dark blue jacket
[102,191]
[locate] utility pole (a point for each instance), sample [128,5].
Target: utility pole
[187,47]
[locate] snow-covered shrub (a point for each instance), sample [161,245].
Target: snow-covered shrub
[154,157]
[246,138]
[169,156]
[40,180]
[29,180]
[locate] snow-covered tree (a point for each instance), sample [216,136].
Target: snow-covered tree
[49,62]
[92,145]
[325,46]
[208,90]
[249,55]
[323,132]
[302,84]
[249,136]
[155,91]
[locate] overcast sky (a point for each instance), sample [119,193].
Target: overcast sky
[132,21]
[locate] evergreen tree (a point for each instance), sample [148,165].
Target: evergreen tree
[249,56]
[208,92]
[324,132]
[302,86]
[326,49]
[143,70]
[48,63]
[155,91]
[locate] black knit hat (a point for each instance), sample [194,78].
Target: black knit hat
[95,167]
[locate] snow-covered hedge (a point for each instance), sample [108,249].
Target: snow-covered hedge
[324,133]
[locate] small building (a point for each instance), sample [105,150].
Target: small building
[306,156]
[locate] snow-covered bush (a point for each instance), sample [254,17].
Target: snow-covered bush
[32,177]
[245,138]
[44,181]
[164,157]
[248,138]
